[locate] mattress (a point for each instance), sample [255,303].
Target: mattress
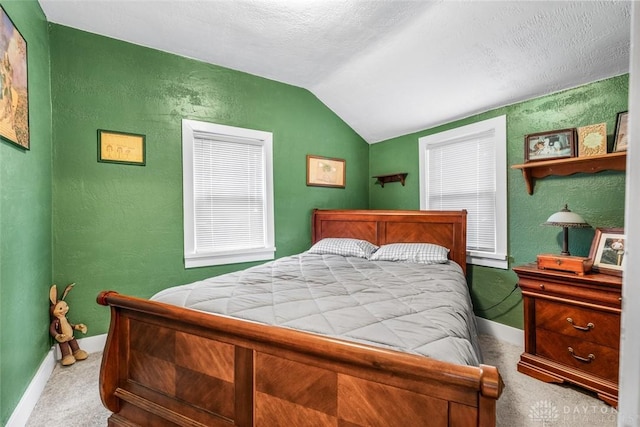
[410,307]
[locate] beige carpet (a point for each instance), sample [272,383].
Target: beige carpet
[529,402]
[71,397]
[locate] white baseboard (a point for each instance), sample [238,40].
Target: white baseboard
[500,331]
[30,398]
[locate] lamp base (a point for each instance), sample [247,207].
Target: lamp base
[572,264]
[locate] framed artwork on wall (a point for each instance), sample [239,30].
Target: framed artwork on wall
[557,144]
[326,171]
[592,140]
[14,97]
[620,141]
[607,251]
[121,147]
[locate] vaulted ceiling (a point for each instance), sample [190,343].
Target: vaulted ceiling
[386,67]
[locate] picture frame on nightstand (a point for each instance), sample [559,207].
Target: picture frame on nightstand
[607,251]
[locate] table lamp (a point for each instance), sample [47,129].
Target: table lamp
[566,219]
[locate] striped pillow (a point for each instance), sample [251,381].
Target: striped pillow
[345,247]
[423,253]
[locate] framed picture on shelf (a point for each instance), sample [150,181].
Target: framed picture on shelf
[14,96]
[551,145]
[607,251]
[620,140]
[592,140]
[325,171]
[121,147]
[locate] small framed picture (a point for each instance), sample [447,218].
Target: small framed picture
[607,251]
[121,147]
[592,140]
[551,145]
[325,171]
[620,140]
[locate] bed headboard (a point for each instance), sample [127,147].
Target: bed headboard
[445,228]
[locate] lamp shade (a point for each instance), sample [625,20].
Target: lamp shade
[566,218]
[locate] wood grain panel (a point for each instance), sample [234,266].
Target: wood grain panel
[298,383]
[366,230]
[441,234]
[206,392]
[212,358]
[152,372]
[371,404]
[152,340]
[274,412]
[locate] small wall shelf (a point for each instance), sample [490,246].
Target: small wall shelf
[564,167]
[392,177]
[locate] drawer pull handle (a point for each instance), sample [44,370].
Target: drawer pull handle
[587,359]
[581,328]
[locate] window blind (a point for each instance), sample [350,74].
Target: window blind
[461,175]
[465,168]
[229,194]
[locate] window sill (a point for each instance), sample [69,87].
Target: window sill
[488,262]
[211,259]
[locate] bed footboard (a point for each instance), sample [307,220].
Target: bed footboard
[170,366]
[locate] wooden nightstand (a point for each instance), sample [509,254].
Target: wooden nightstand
[571,328]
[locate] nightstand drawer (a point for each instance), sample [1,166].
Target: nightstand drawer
[605,296]
[586,356]
[585,324]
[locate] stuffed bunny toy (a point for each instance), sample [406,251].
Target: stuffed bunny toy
[62,330]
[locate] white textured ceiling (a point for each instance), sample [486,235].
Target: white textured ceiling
[387,68]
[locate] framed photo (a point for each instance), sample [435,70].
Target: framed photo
[620,140]
[592,140]
[121,147]
[14,97]
[551,145]
[325,171]
[607,251]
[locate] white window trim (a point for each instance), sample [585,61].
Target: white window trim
[190,128]
[498,125]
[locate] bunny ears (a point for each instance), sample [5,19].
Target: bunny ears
[53,293]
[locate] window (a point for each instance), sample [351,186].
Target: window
[228,194]
[466,168]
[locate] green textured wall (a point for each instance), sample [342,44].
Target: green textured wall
[120,227]
[25,222]
[599,198]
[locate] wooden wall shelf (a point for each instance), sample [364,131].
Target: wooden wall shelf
[392,177]
[564,167]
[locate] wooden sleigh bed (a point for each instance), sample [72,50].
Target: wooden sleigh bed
[165,365]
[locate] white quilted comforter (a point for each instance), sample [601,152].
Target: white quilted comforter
[415,308]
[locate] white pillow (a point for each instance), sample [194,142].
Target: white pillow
[345,247]
[423,253]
